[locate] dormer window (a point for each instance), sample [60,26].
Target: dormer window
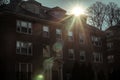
[31,7]
[57,13]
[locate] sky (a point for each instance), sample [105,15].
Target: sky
[69,4]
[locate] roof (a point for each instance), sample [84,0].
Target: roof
[58,8]
[16,6]
[115,27]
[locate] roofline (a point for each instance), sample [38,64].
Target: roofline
[94,28]
[32,17]
[112,27]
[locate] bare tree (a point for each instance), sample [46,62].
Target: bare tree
[96,14]
[112,14]
[117,16]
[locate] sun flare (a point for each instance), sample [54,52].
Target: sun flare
[77,11]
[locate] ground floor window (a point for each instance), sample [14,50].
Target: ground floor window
[23,71]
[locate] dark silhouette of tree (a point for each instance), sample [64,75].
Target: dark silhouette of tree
[100,14]
[96,14]
[112,14]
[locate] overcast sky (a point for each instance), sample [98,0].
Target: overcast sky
[69,4]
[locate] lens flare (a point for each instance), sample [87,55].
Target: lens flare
[48,63]
[57,47]
[40,76]
[77,11]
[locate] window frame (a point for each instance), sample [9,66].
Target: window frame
[96,41]
[70,36]
[27,26]
[81,38]
[110,58]
[110,45]
[46,32]
[71,52]
[58,33]
[25,69]
[27,48]
[99,56]
[82,54]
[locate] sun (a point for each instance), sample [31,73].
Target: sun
[77,11]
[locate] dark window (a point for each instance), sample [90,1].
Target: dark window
[71,54]
[82,55]
[23,71]
[24,48]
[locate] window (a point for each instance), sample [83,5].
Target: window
[32,8]
[109,45]
[96,41]
[46,51]
[29,49]
[94,38]
[70,36]
[18,47]
[23,48]
[97,57]
[82,55]
[23,71]
[57,14]
[24,27]
[45,31]
[58,34]
[81,38]
[110,58]
[109,34]
[71,54]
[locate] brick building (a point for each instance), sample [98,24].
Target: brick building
[113,50]
[32,34]
[86,49]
